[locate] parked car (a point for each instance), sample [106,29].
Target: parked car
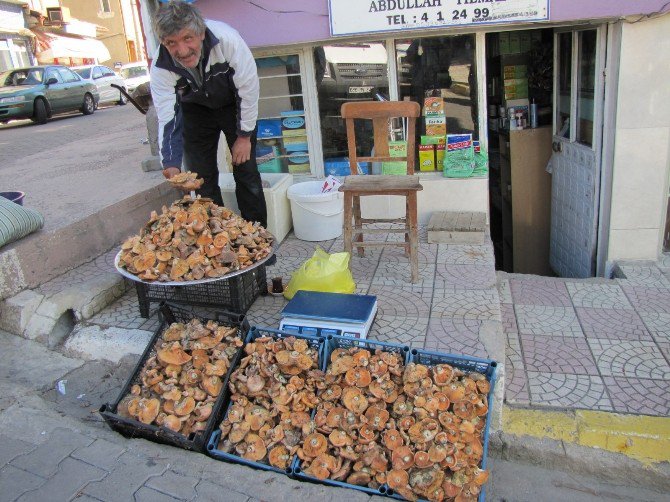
[102,77]
[134,74]
[39,92]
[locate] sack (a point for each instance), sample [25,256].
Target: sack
[327,273]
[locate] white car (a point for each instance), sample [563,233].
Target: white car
[102,77]
[134,74]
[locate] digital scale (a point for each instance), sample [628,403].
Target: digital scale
[314,313]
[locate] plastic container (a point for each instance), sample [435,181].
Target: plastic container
[279,208]
[132,428]
[236,294]
[486,367]
[16,197]
[345,342]
[213,442]
[316,216]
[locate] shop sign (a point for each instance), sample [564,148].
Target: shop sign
[348,17]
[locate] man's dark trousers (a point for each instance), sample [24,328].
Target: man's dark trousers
[202,129]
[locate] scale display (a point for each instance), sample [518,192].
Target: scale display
[316,313]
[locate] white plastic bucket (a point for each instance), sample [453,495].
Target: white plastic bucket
[316,216]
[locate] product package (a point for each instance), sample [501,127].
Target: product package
[426,157]
[481,161]
[396,149]
[459,159]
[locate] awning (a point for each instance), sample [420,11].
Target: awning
[52,46]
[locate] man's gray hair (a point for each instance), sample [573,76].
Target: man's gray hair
[176,15]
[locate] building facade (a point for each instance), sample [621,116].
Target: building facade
[569,101]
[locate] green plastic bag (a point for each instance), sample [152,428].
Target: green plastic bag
[328,273]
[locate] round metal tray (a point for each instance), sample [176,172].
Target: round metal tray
[133,277]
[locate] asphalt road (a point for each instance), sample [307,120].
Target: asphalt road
[76,165]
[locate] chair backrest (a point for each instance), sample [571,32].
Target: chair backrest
[380,112]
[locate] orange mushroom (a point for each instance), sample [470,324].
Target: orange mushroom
[442,374]
[422,459]
[172,422]
[424,431]
[323,465]
[341,365]
[200,358]
[366,434]
[359,478]
[332,393]
[354,400]
[414,372]
[184,406]
[392,439]
[173,354]
[315,444]
[361,357]
[238,431]
[377,417]
[255,383]
[279,457]
[360,377]
[402,458]
[437,453]
[397,478]
[147,410]
[255,448]
[334,417]
[212,385]
[340,438]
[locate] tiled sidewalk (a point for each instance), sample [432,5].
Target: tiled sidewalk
[568,344]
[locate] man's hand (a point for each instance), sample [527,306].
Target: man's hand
[241,150]
[169,172]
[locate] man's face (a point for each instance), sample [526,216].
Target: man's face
[185,47]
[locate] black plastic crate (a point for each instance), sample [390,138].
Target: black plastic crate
[344,342]
[212,446]
[132,428]
[236,294]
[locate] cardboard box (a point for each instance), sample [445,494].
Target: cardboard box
[433,106]
[396,149]
[436,125]
[295,144]
[433,140]
[439,156]
[426,157]
[292,133]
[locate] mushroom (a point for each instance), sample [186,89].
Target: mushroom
[450,489]
[255,448]
[340,438]
[422,459]
[174,394]
[335,415]
[342,365]
[392,439]
[414,372]
[172,422]
[423,431]
[361,357]
[315,444]
[397,478]
[437,453]
[257,416]
[360,478]
[402,458]
[322,466]
[454,391]
[359,377]
[147,410]
[279,457]
[184,407]
[173,354]
[332,393]
[203,411]
[238,431]
[200,358]
[175,331]
[212,385]
[354,400]
[376,417]
[442,374]
[255,384]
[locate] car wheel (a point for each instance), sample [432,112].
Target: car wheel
[39,112]
[122,99]
[89,104]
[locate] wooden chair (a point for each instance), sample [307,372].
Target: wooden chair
[357,186]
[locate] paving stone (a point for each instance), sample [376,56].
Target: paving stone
[130,473]
[639,396]
[363,268]
[625,358]
[399,273]
[145,494]
[665,349]
[457,276]
[648,299]
[285,267]
[508,318]
[504,291]
[125,313]
[545,320]
[14,482]
[540,291]
[568,391]
[266,311]
[44,459]
[100,453]
[483,305]
[174,485]
[71,477]
[407,300]
[643,275]
[612,323]
[658,324]
[12,448]
[557,354]
[404,330]
[294,248]
[206,490]
[456,336]
[598,296]
[427,253]
[516,382]
[464,254]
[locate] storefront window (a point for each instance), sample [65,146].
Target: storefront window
[5,56]
[282,136]
[564,85]
[586,86]
[440,67]
[348,72]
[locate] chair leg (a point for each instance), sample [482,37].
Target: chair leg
[348,205]
[357,224]
[413,237]
[407,229]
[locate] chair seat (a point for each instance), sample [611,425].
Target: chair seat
[376,183]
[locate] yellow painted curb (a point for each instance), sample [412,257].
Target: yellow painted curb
[646,439]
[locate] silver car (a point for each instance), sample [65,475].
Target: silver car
[102,77]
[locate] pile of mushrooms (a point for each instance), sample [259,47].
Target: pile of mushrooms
[178,386]
[352,417]
[194,239]
[273,392]
[416,429]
